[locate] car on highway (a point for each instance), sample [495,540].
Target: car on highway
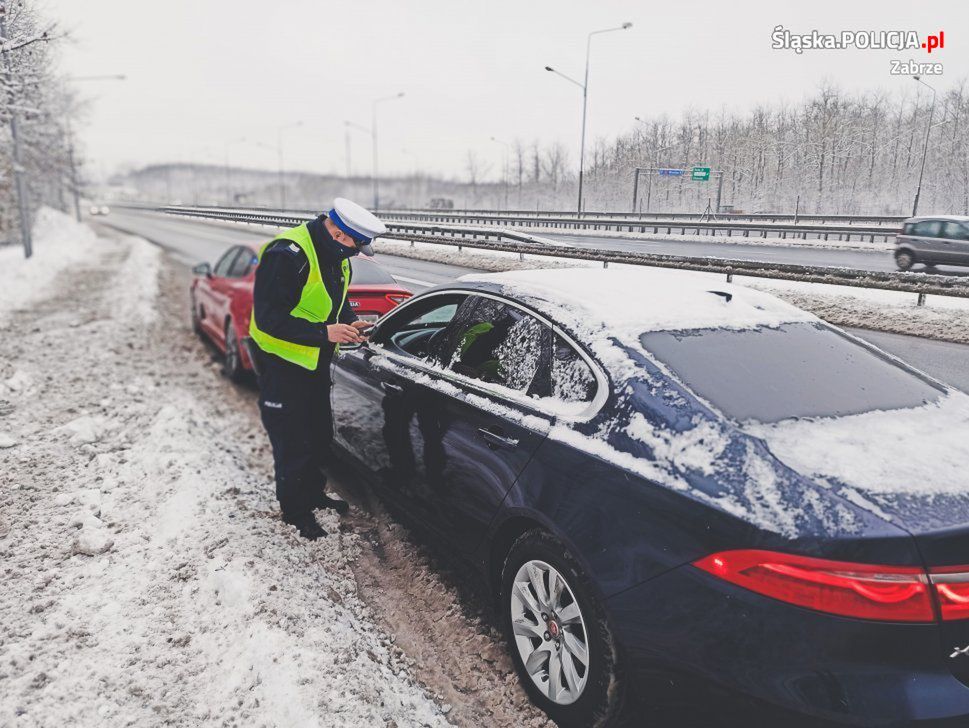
[933,240]
[693,503]
[221,300]
[99,210]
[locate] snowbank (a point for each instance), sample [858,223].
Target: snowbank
[147,577]
[59,243]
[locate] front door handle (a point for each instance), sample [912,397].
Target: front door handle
[495,439]
[391,388]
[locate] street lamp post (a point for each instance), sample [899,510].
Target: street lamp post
[585,100]
[228,172]
[373,133]
[925,146]
[18,170]
[279,151]
[504,173]
[75,187]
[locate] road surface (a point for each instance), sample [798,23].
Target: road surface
[193,241]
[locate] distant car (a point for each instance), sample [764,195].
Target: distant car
[933,240]
[441,203]
[99,210]
[221,300]
[714,507]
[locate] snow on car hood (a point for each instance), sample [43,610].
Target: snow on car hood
[889,461]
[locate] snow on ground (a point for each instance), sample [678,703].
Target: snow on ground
[147,577]
[942,317]
[59,243]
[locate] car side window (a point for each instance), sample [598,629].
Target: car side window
[419,328]
[497,343]
[927,228]
[572,379]
[955,231]
[225,262]
[241,264]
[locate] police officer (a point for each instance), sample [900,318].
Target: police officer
[300,316]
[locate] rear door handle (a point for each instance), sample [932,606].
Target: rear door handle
[391,388]
[495,439]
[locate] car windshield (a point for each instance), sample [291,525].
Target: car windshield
[366,272]
[794,370]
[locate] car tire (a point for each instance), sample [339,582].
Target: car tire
[196,319]
[904,259]
[595,699]
[232,362]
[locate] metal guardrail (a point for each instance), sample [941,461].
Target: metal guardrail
[266,217]
[773,217]
[512,242]
[844,233]
[861,233]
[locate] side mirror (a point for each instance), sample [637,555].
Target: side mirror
[203,269]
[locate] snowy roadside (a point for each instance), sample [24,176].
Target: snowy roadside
[147,578]
[945,318]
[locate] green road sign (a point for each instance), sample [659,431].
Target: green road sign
[700,174]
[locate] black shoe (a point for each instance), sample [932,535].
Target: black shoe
[340,506]
[306,525]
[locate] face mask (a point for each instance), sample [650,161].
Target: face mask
[333,251]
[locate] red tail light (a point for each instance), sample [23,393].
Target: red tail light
[398,298]
[952,587]
[864,591]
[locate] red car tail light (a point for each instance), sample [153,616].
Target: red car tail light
[398,298]
[951,585]
[864,591]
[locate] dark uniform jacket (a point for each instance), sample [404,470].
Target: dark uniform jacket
[280,278]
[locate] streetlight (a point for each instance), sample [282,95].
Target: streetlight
[373,132]
[585,98]
[279,150]
[348,125]
[70,139]
[925,146]
[228,173]
[504,174]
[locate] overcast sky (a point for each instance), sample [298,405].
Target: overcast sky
[201,73]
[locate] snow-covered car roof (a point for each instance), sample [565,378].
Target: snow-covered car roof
[631,300]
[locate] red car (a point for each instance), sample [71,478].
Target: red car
[222,300]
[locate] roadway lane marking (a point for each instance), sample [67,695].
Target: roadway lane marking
[415,281]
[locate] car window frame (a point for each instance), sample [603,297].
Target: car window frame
[959,225]
[242,251]
[938,232]
[513,397]
[231,254]
[453,342]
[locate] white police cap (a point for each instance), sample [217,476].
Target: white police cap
[357,222]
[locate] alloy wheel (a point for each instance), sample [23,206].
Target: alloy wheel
[550,632]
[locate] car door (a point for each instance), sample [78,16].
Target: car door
[379,419]
[221,288]
[478,425]
[928,245]
[211,295]
[955,237]
[239,283]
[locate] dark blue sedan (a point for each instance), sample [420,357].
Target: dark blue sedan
[695,503]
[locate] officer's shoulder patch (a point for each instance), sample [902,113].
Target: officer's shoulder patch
[286,246]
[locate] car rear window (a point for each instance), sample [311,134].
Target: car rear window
[369,273]
[794,370]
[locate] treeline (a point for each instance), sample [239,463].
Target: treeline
[839,153]
[31,90]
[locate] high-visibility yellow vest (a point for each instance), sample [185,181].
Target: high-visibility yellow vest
[314,304]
